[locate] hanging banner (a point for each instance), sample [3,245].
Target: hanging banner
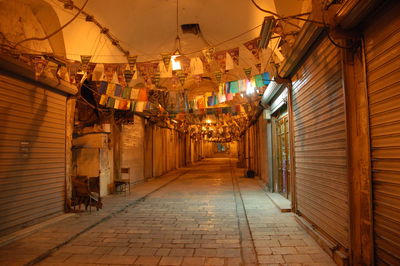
[196,66]
[218,76]
[98,72]
[72,71]
[206,65]
[63,73]
[252,46]
[85,59]
[128,75]
[182,77]
[247,72]
[209,54]
[166,59]
[147,69]
[155,79]
[109,71]
[258,66]
[234,53]
[220,58]
[110,89]
[120,74]
[132,61]
[103,99]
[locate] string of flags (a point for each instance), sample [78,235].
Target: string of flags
[139,99]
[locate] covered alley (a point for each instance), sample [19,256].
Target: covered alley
[207,214]
[212,132]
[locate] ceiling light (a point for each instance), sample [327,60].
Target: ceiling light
[266,31]
[176,64]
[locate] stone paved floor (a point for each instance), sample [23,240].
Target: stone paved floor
[204,217]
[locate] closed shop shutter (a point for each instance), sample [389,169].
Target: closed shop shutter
[382,49]
[32,153]
[320,143]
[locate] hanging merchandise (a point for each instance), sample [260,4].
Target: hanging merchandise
[132,61]
[252,46]
[142,95]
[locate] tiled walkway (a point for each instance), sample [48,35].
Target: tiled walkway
[203,217]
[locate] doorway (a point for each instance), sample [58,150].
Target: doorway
[281,153]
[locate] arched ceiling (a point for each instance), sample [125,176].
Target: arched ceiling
[147,28]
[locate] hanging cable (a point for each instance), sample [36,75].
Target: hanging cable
[55,32]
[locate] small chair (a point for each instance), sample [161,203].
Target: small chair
[123,184]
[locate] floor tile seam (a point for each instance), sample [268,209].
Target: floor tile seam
[237,197]
[46,254]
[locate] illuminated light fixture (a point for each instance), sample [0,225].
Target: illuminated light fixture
[176,64]
[208,121]
[266,31]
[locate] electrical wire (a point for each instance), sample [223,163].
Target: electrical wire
[273,13]
[56,31]
[328,33]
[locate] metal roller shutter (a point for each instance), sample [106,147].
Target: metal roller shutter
[382,49]
[32,153]
[320,143]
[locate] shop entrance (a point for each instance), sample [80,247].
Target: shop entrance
[281,153]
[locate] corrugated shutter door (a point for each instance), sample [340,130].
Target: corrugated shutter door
[320,143]
[382,47]
[32,153]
